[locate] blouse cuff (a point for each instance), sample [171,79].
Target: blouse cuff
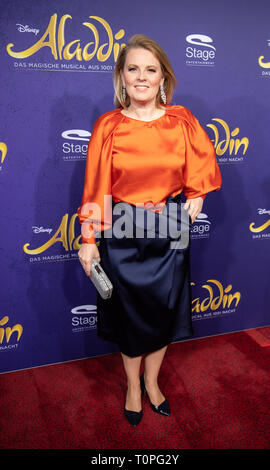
[203,196]
[89,241]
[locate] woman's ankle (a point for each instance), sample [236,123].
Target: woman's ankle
[133,384]
[150,381]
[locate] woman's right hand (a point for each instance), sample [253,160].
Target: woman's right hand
[86,253]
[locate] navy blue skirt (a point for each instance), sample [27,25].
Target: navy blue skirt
[150,306]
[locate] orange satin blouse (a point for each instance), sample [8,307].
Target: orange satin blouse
[144,162]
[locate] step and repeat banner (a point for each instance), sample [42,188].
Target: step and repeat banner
[57,58]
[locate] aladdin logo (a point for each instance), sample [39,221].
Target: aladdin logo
[54,40]
[7,332]
[224,140]
[224,302]
[262,227]
[263,64]
[3,152]
[26,29]
[202,55]
[65,235]
[201,227]
[84,317]
[75,151]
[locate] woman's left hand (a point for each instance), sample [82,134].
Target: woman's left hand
[194,207]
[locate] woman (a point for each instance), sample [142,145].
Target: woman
[143,155]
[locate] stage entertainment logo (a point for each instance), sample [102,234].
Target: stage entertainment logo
[264,62]
[9,335]
[97,55]
[260,230]
[216,301]
[230,148]
[84,318]
[201,227]
[3,153]
[72,148]
[201,52]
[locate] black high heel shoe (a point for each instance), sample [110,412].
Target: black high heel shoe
[133,417]
[163,408]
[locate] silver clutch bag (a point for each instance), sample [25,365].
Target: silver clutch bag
[101,280]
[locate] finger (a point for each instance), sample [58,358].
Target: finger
[196,215]
[193,216]
[87,268]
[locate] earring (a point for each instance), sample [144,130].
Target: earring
[162,94]
[124,94]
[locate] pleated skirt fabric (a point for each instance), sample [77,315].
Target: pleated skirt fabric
[150,306]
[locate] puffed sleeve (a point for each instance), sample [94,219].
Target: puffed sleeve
[94,212]
[201,173]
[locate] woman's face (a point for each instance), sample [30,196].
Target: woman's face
[141,75]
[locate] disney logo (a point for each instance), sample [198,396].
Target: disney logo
[41,229]
[26,29]
[263,211]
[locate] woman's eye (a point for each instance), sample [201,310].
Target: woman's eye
[133,68]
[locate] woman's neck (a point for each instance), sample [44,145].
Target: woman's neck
[144,111]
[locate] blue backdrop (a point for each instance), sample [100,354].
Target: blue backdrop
[57,59]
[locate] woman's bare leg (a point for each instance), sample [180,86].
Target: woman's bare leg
[132,368]
[152,363]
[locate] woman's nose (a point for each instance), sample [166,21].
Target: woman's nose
[141,75]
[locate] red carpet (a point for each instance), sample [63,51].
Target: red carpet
[218,389]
